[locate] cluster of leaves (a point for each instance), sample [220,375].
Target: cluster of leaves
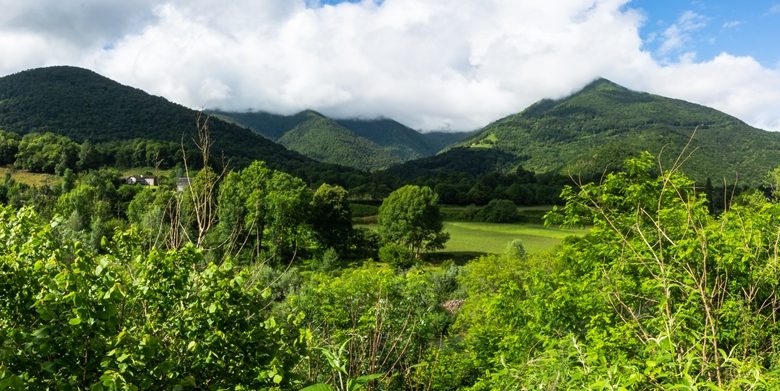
[659,294]
[410,216]
[70,318]
[371,320]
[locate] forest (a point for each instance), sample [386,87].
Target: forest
[253,278]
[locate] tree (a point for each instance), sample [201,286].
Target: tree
[499,211]
[9,145]
[331,218]
[47,152]
[410,216]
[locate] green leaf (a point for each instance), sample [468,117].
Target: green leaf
[318,387]
[74,321]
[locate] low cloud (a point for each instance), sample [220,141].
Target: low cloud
[430,64]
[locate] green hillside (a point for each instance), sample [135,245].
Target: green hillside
[392,141]
[400,140]
[83,105]
[597,128]
[325,140]
[271,126]
[441,140]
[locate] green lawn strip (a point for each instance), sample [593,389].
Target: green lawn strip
[493,238]
[471,239]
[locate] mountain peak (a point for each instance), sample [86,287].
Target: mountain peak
[602,84]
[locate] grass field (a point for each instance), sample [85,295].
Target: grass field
[469,240]
[29,178]
[469,237]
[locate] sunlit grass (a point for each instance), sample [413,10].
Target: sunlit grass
[30,178]
[493,238]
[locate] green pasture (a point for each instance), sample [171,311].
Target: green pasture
[471,237]
[29,178]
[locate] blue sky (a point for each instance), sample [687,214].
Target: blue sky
[705,28]
[430,64]
[743,28]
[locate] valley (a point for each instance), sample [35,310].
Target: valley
[611,239]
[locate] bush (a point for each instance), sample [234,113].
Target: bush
[397,255]
[499,211]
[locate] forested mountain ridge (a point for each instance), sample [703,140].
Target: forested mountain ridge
[322,139]
[84,105]
[391,141]
[598,127]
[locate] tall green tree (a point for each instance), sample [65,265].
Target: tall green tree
[331,218]
[410,216]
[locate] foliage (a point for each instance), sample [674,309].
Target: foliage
[410,216]
[499,211]
[73,319]
[397,255]
[660,294]
[46,152]
[370,320]
[331,217]
[9,146]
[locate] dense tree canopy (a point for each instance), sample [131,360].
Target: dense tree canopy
[410,216]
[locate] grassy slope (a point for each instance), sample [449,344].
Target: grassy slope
[271,126]
[30,178]
[604,123]
[403,142]
[325,140]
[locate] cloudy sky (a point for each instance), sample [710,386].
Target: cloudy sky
[431,64]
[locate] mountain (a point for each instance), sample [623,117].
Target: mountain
[323,139]
[441,140]
[271,126]
[387,141]
[402,141]
[598,127]
[84,105]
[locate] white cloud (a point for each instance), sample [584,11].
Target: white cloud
[678,35]
[775,8]
[431,64]
[732,24]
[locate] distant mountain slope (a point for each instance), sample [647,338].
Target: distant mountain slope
[598,127]
[84,105]
[272,126]
[400,141]
[325,140]
[441,140]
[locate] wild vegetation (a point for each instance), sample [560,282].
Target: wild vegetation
[250,277]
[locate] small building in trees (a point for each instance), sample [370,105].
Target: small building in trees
[141,180]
